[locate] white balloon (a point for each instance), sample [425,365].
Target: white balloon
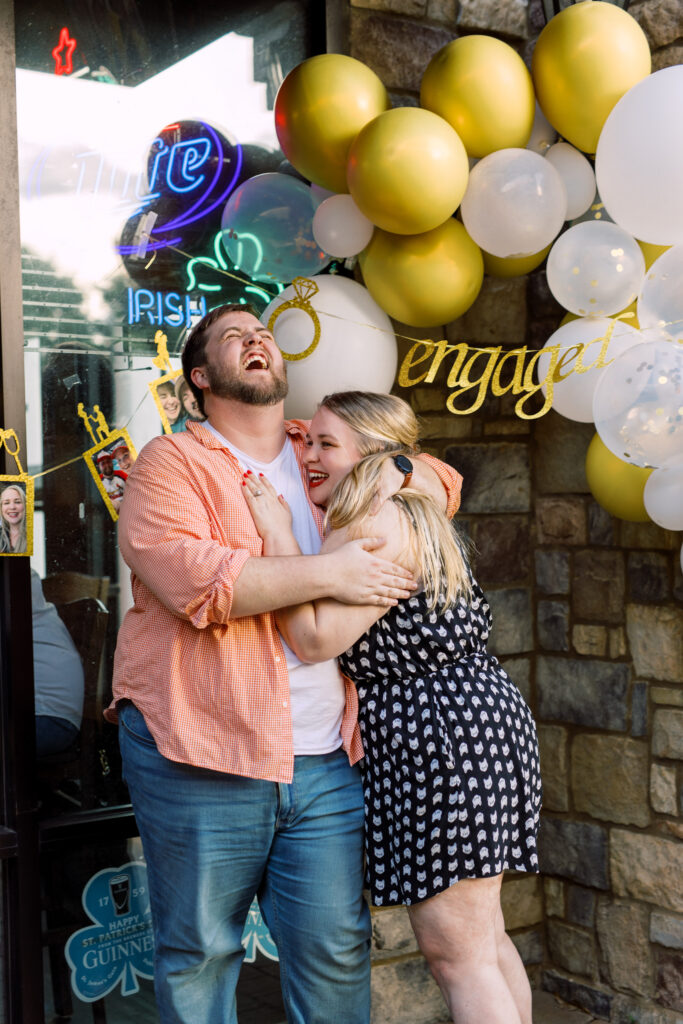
[595,269]
[639,158]
[543,135]
[604,340]
[660,303]
[638,404]
[339,228]
[663,495]
[515,203]
[356,350]
[578,177]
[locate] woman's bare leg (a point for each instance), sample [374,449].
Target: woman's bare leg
[456,932]
[512,969]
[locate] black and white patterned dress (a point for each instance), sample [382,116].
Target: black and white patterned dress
[451,770]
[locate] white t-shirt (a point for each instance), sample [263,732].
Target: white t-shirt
[317,695]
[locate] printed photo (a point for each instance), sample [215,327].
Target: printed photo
[16,515]
[109,462]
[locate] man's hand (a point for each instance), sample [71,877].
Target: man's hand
[360,577]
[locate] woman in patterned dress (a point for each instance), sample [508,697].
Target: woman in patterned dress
[451,772]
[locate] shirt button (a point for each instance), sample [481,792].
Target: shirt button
[284,703]
[277,659]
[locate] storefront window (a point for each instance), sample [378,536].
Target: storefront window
[136,123]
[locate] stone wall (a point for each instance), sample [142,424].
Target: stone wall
[588,622]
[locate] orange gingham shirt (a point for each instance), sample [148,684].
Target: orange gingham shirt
[214,691]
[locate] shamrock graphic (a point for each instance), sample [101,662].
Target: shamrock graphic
[119,945]
[256,936]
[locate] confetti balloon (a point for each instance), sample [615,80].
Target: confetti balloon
[660,303]
[595,269]
[638,404]
[586,347]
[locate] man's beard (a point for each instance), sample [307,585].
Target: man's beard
[242,390]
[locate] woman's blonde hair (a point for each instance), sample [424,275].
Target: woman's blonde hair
[386,426]
[5,541]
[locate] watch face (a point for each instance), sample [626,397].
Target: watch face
[404,464]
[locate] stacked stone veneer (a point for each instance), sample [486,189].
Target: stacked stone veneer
[588,622]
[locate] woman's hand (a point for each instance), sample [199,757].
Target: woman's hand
[271,514]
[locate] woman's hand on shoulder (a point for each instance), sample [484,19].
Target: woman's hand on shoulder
[271,514]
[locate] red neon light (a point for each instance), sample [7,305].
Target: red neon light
[65,46]
[170,127]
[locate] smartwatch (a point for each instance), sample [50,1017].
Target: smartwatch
[406,467]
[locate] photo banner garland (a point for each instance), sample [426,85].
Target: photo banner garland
[502,371]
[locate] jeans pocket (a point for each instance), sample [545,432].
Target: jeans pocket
[133,721]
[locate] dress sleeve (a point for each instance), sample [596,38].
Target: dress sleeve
[168,538]
[450,478]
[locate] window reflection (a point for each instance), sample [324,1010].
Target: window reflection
[134,129]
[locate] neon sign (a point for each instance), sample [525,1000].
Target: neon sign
[177,167]
[65,46]
[159,308]
[219,264]
[200,171]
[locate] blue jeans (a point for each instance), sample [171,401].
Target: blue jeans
[212,841]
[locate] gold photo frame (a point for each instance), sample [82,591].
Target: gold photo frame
[111,483]
[160,387]
[22,483]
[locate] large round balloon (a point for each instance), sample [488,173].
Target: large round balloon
[515,203]
[481,86]
[339,227]
[639,158]
[424,280]
[267,229]
[584,60]
[586,346]
[664,495]
[407,170]
[320,108]
[595,269]
[578,177]
[616,485]
[638,401]
[356,347]
[660,303]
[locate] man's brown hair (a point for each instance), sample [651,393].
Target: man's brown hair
[195,346]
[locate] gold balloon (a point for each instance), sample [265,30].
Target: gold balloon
[481,86]
[407,171]
[424,280]
[651,252]
[584,60]
[513,266]
[320,107]
[616,485]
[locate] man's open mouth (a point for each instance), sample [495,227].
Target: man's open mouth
[256,361]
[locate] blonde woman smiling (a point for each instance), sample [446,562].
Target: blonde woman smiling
[451,771]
